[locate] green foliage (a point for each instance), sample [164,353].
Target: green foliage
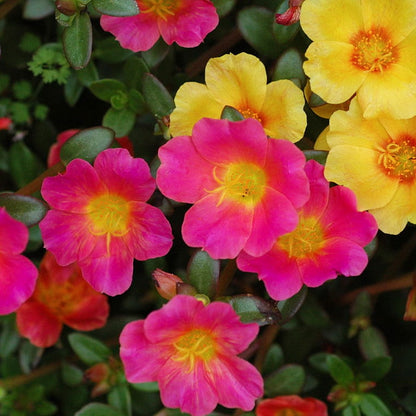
[25,209]
[116,7]
[289,379]
[29,42]
[22,89]
[89,350]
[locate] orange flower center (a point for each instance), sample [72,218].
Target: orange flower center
[109,215]
[242,182]
[247,113]
[288,412]
[197,344]
[398,158]
[373,50]
[161,8]
[307,239]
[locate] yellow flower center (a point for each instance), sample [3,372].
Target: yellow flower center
[197,344]
[248,113]
[161,8]
[288,412]
[373,50]
[242,182]
[306,240]
[398,158]
[109,215]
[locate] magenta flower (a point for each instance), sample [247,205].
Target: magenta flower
[245,188]
[185,22]
[328,241]
[191,351]
[100,219]
[17,273]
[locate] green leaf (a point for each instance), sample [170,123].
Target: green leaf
[133,72]
[151,386]
[284,34]
[26,209]
[24,164]
[372,343]
[289,307]
[120,121]
[98,409]
[157,97]
[136,102]
[274,359]
[255,309]
[88,349]
[120,398]
[313,314]
[289,66]
[318,361]
[352,410]
[339,370]
[376,368]
[71,375]
[88,74]
[73,90]
[87,144]
[109,50]
[371,405]
[155,55]
[105,89]
[77,41]
[289,379]
[9,337]
[224,6]
[318,155]
[119,8]
[255,24]
[38,9]
[203,273]
[230,113]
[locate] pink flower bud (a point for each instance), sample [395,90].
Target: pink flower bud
[166,283]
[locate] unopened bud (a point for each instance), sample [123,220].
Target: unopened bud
[166,283]
[67,7]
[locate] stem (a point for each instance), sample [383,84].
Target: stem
[266,342]
[35,185]
[226,277]
[380,287]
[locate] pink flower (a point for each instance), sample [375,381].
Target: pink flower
[5,123]
[17,273]
[245,187]
[191,350]
[185,22]
[61,296]
[99,218]
[291,406]
[54,151]
[291,15]
[328,241]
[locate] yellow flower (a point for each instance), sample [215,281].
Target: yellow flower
[363,47]
[376,158]
[240,81]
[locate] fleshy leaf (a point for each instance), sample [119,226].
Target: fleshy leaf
[94,409]
[120,8]
[157,97]
[230,113]
[288,380]
[372,343]
[376,368]
[120,121]
[89,350]
[106,88]
[289,307]
[339,370]
[371,405]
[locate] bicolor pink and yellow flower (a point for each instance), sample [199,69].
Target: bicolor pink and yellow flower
[185,22]
[291,406]
[17,273]
[363,47]
[61,296]
[240,81]
[191,350]
[245,187]
[328,241]
[99,218]
[377,160]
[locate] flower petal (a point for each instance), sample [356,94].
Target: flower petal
[14,235]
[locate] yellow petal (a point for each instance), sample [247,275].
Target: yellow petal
[321,142]
[357,168]
[397,128]
[331,73]
[331,19]
[396,16]
[406,51]
[391,93]
[282,114]
[237,80]
[193,101]
[393,217]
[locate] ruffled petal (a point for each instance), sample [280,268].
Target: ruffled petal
[406,50]
[221,230]
[332,76]
[14,235]
[282,114]
[193,101]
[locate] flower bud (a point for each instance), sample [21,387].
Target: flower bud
[166,283]
[67,7]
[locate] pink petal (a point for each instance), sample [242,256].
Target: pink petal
[238,382]
[17,281]
[183,175]
[125,175]
[137,33]
[190,24]
[150,234]
[13,234]
[66,235]
[54,151]
[285,169]
[279,273]
[222,141]
[193,392]
[273,217]
[142,359]
[72,190]
[220,230]
[36,322]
